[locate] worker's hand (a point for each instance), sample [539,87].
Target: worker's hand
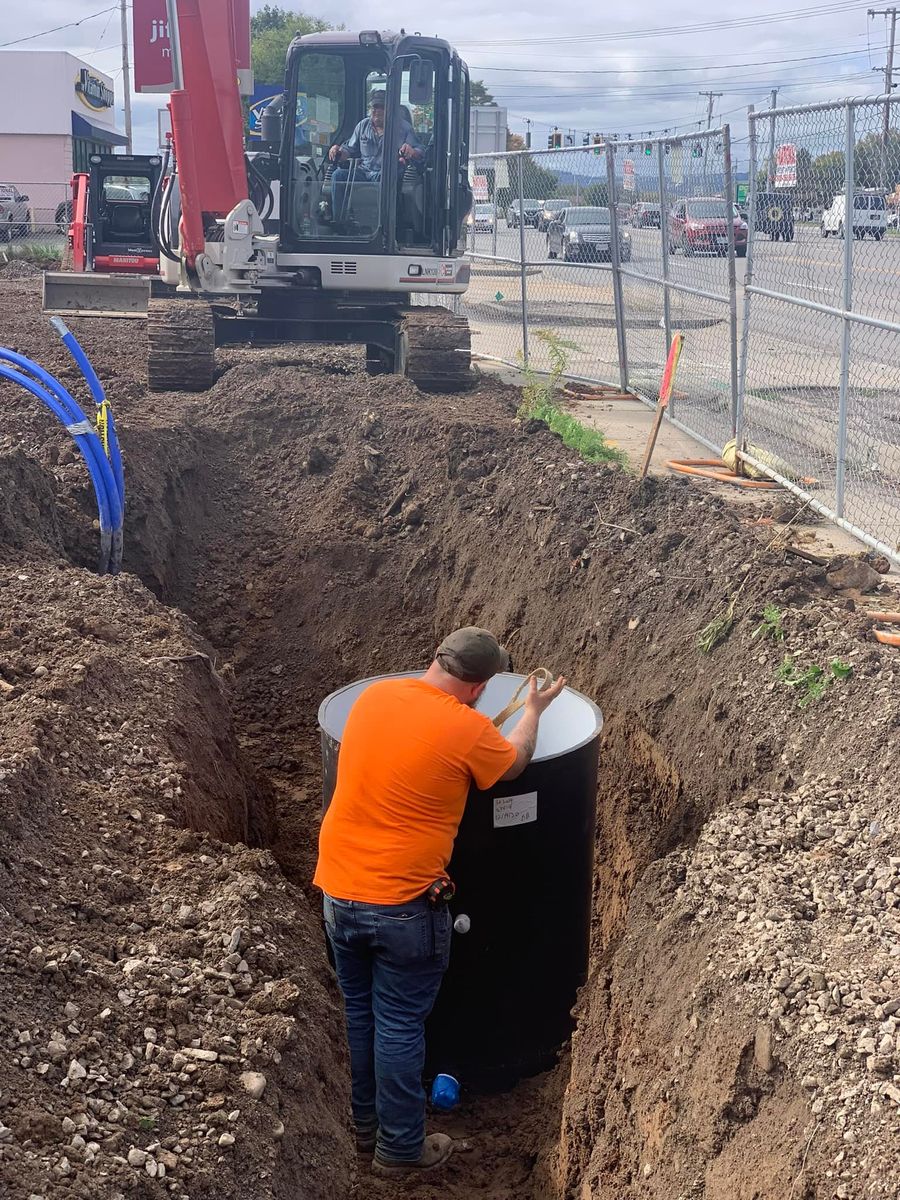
[335,153]
[537,701]
[408,153]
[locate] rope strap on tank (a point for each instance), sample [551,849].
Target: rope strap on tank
[544,678]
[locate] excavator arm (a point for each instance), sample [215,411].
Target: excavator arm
[207,119]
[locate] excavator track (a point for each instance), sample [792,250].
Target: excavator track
[181,343]
[438,349]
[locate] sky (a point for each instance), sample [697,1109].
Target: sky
[635,71]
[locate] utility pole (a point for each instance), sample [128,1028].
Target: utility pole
[126,74]
[888,88]
[528,133]
[773,104]
[712,96]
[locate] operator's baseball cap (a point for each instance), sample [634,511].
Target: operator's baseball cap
[376,100]
[472,654]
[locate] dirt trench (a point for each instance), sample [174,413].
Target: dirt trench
[315,525]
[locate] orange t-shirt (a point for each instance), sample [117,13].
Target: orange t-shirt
[408,756]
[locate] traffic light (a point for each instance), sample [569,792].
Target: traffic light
[648,149]
[586,140]
[598,143]
[697,151]
[555,140]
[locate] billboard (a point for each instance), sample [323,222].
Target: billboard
[151,34]
[786,166]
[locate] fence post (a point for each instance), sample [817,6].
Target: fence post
[849,212]
[618,299]
[748,280]
[497,161]
[664,239]
[732,272]
[522,276]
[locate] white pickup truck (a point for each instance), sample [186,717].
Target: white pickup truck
[15,216]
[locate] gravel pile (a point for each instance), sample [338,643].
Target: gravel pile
[800,891]
[166,1025]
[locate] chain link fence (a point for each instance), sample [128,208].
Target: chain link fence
[821,354]
[34,219]
[791,327]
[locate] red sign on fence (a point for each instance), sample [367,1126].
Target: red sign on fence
[786,166]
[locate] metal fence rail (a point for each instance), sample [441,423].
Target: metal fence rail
[792,330]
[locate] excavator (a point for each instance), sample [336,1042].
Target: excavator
[299,241]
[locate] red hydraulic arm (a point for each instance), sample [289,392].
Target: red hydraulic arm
[78,226]
[207,119]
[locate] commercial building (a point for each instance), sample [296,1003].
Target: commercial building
[55,111]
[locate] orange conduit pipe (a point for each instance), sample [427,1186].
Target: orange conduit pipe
[885,636]
[714,468]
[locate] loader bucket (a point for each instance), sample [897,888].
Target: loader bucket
[77,294]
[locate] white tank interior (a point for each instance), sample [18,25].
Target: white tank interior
[569,722]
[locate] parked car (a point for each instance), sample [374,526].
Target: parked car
[550,210]
[63,216]
[869,215]
[775,216]
[700,226]
[529,209]
[643,215]
[481,218]
[580,234]
[15,215]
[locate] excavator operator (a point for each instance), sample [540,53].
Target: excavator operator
[366,144]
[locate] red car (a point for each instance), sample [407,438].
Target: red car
[699,226]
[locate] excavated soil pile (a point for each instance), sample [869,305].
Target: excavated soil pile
[169,1024]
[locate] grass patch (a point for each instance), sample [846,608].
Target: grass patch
[37,252]
[538,403]
[811,682]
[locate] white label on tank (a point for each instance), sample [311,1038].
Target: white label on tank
[515,810]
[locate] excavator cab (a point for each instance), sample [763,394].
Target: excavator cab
[353,206]
[373,201]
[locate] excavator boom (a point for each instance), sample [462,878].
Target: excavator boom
[207,119]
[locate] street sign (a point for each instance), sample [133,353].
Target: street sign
[480,187]
[741,191]
[786,166]
[628,175]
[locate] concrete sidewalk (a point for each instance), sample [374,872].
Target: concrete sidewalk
[626,423]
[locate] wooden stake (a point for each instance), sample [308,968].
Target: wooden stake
[665,394]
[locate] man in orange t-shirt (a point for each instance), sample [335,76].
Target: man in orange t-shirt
[411,749]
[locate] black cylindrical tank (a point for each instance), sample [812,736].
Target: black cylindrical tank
[523,868]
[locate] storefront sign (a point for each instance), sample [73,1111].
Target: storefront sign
[93,92]
[786,166]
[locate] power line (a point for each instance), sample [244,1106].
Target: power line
[663,70]
[70,25]
[793,14]
[755,87]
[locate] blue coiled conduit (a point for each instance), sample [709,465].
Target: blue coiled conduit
[106,475]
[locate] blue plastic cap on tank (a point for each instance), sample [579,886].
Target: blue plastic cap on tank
[445,1092]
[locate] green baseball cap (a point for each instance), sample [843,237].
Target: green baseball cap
[472,655]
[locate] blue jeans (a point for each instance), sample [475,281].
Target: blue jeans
[390,960]
[339,187]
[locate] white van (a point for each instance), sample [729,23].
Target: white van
[869,215]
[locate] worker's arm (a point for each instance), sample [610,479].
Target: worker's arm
[350,148]
[524,736]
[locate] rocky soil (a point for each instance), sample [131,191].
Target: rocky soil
[168,1020]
